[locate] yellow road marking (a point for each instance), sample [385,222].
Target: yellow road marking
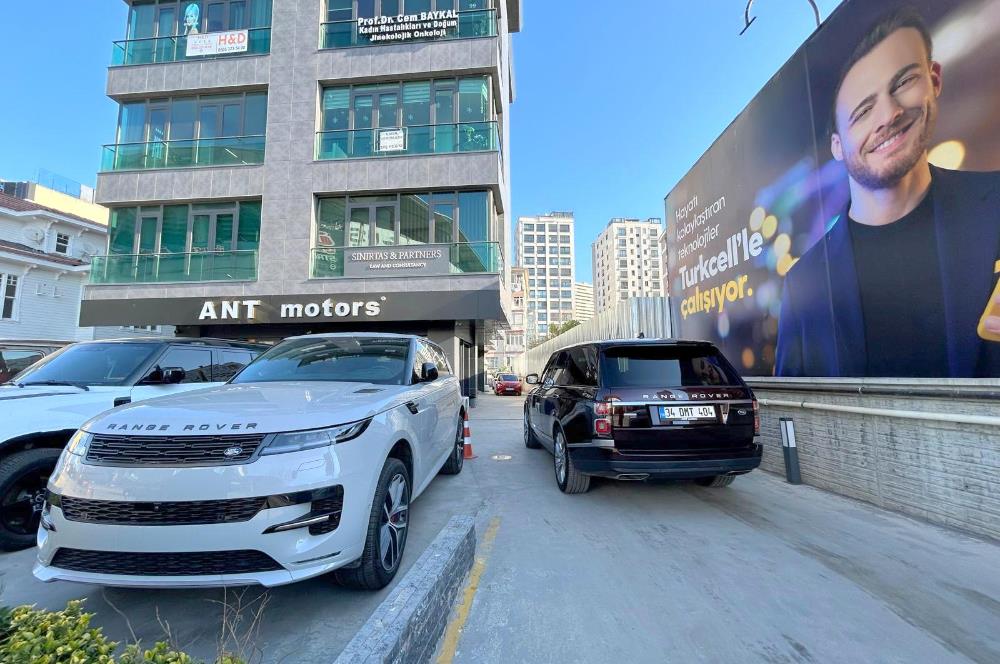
[455,626]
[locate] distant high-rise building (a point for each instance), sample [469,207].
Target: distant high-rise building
[664,265]
[627,261]
[544,246]
[583,302]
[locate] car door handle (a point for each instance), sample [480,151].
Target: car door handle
[413,407]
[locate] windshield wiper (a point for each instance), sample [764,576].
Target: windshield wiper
[56,382]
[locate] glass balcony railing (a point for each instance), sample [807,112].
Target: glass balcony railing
[174,49]
[184,153]
[414,260]
[471,24]
[402,141]
[174,268]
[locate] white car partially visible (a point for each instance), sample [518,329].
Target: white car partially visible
[305,463]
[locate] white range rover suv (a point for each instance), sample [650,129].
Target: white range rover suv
[304,463]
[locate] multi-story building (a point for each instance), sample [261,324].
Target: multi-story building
[311,166]
[45,258]
[627,263]
[545,247]
[583,302]
[664,265]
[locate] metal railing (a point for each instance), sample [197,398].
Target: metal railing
[461,258]
[470,25]
[162,268]
[184,153]
[153,50]
[411,140]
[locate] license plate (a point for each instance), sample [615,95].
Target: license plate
[687,412]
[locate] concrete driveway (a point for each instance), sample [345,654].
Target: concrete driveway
[761,571]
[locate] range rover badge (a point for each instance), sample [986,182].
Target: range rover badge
[233,451]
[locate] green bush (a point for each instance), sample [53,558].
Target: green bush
[32,636]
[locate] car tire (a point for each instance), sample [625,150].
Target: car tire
[715,481]
[23,478]
[569,479]
[382,538]
[530,441]
[453,466]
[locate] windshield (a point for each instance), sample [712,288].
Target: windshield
[338,359]
[666,366]
[508,378]
[90,364]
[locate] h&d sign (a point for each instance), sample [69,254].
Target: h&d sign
[370,261]
[404,27]
[218,43]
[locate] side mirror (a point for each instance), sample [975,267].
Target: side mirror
[428,372]
[531,379]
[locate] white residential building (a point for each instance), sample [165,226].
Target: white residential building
[627,261]
[44,264]
[508,346]
[664,265]
[583,302]
[545,247]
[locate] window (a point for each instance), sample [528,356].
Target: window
[623,263]
[62,243]
[13,362]
[553,261]
[8,296]
[567,293]
[567,305]
[553,239]
[518,318]
[564,228]
[564,250]
[565,261]
[529,227]
[581,367]
[564,239]
[566,272]
[529,238]
[231,362]
[169,18]
[621,232]
[529,249]
[196,363]
[529,261]
[542,283]
[177,229]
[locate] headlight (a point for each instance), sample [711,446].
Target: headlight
[297,441]
[79,443]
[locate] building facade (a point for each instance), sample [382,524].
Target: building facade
[310,166]
[545,248]
[583,302]
[627,262]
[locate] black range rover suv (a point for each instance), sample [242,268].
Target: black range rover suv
[634,410]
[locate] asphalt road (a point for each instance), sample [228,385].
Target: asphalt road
[761,571]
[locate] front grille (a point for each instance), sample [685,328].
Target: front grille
[172,450]
[164,564]
[161,513]
[332,505]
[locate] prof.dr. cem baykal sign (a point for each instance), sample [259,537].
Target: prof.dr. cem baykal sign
[425,25]
[328,308]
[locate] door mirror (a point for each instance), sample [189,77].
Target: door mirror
[428,372]
[531,379]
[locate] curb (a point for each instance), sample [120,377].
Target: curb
[408,624]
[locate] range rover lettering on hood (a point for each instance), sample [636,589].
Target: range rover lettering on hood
[239,426]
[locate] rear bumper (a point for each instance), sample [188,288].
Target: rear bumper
[608,463]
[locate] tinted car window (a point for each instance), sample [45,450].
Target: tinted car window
[341,359]
[91,364]
[230,363]
[560,370]
[196,363]
[424,355]
[666,366]
[442,361]
[13,362]
[581,368]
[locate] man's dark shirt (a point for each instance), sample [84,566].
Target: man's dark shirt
[902,300]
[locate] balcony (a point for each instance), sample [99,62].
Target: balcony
[184,153]
[407,141]
[471,24]
[174,268]
[156,50]
[411,260]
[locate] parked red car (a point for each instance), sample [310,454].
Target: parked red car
[507,384]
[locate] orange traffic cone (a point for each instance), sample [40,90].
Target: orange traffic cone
[468,438]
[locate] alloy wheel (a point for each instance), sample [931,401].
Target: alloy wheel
[395,519]
[560,457]
[22,506]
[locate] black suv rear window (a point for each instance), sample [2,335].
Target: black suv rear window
[665,366]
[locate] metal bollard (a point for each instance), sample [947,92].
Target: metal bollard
[792,473]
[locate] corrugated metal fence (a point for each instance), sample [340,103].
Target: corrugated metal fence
[648,315]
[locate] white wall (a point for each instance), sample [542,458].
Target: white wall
[48,304]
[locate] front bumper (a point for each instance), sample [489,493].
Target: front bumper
[298,553]
[609,463]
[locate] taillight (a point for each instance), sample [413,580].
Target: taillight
[756,417]
[602,419]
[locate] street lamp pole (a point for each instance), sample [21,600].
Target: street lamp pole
[747,20]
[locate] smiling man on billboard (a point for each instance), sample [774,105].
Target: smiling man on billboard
[901,284]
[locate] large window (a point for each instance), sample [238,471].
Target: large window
[190,131]
[168,18]
[439,116]
[475,18]
[166,229]
[8,296]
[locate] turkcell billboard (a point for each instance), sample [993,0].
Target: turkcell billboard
[847,223]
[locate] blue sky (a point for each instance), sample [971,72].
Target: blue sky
[612,107]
